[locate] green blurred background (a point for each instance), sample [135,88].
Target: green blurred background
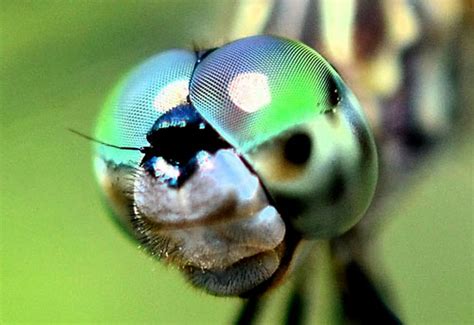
[63,260]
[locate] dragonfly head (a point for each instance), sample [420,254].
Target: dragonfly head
[246,149]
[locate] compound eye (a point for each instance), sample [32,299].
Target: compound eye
[147,92]
[252,89]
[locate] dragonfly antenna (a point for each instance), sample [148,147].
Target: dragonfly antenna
[103,143]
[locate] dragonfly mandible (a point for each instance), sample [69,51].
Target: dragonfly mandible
[275,143]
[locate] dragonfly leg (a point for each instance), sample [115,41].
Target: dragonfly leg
[360,295]
[297,310]
[250,311]
[300,303]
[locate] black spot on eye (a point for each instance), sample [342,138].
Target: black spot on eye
[298,149]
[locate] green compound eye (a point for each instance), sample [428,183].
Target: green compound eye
[257,87]
[153,88]
[286,110]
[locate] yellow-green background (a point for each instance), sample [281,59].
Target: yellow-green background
[61,257]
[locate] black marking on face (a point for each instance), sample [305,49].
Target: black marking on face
[297,149]
[177,137]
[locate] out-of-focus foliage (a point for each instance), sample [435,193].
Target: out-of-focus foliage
[62,259]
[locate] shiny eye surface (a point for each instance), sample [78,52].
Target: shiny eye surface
[143,95]
[236,155]
[253,89]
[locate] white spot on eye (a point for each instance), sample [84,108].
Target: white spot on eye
[171,96]
[249,91]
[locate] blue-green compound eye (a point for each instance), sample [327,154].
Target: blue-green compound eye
[240,152]
[253,89]
[143,95]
